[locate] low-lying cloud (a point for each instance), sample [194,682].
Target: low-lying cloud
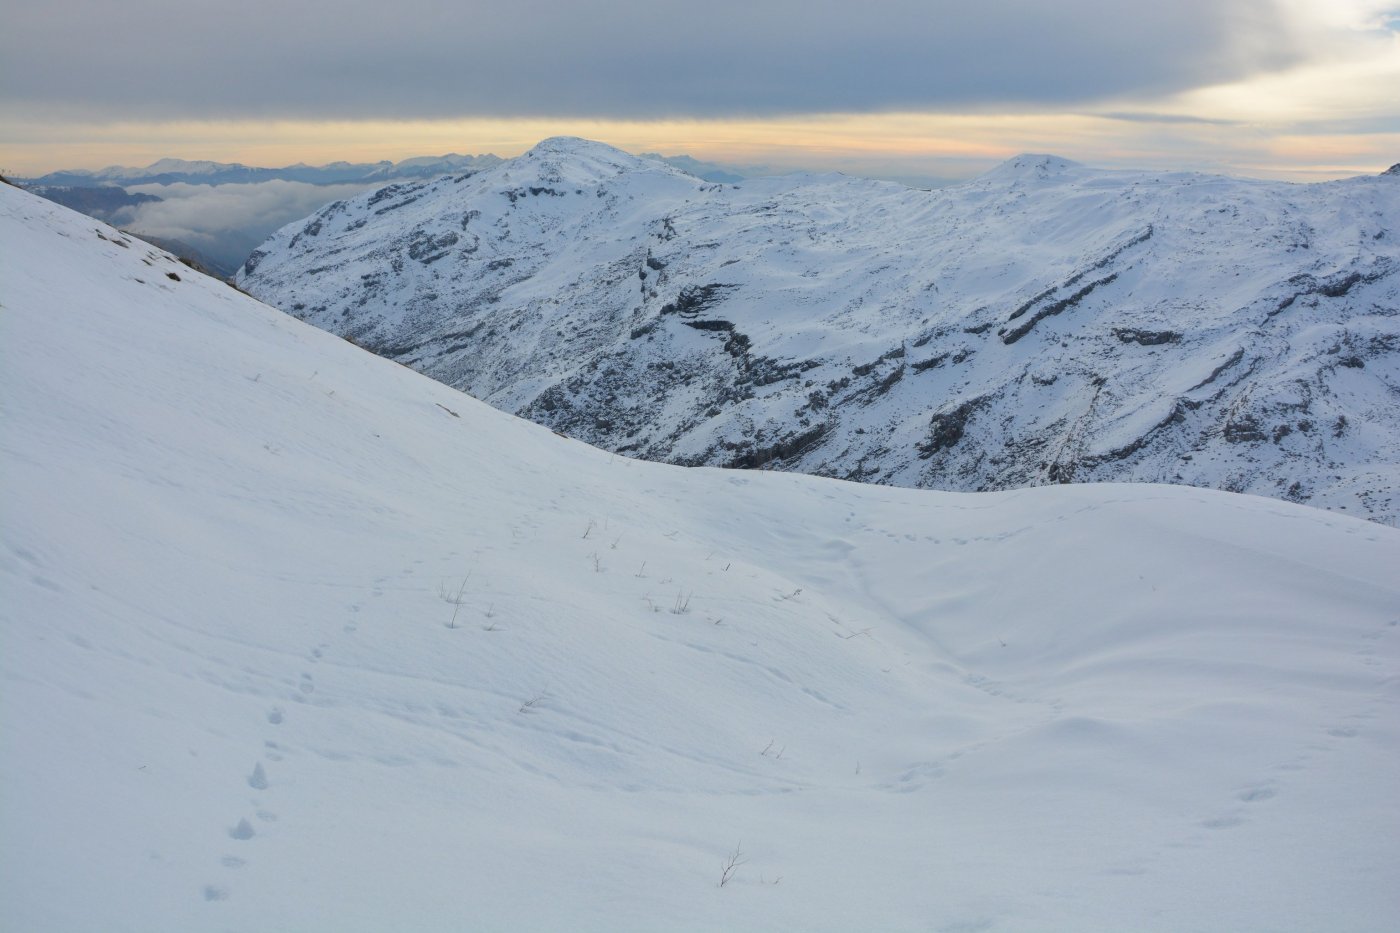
[226,222]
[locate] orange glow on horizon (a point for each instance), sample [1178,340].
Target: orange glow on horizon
[894,144]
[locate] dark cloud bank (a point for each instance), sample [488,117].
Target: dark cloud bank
[622,58]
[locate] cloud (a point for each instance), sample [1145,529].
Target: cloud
[228,221]
[1132,117]
[628,59]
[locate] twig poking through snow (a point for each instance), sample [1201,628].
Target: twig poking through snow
[731,865]
[454,598]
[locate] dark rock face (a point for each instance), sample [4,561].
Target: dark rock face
[1032,326]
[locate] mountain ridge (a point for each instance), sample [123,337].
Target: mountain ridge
[1045,322]
[168,171]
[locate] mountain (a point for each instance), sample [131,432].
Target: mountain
[277,609]
[1044,323]
[709,171]
[433,166]
[203,172]
[296,638]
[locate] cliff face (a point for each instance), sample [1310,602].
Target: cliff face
[1043,323]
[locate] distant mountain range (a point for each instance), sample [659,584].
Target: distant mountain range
[176,171]
[1044,323]
[173,171]
[219,233]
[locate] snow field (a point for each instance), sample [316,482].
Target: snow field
[296,639]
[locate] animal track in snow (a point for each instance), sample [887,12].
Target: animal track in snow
[1257,793]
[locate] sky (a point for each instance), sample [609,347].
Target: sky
[921,90]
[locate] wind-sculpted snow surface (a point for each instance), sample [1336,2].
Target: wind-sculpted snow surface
[1045,323]
[297,639]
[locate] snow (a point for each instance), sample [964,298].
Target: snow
[1078,324]
[296,638]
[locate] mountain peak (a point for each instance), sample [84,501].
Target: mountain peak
[1032,165]
[187,167]
[577,160]
[573,145]
[585,151]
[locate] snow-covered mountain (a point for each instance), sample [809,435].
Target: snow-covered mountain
[297,639]
[1043,323]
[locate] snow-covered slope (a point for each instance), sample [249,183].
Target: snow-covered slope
[298,639]
[1044,323]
